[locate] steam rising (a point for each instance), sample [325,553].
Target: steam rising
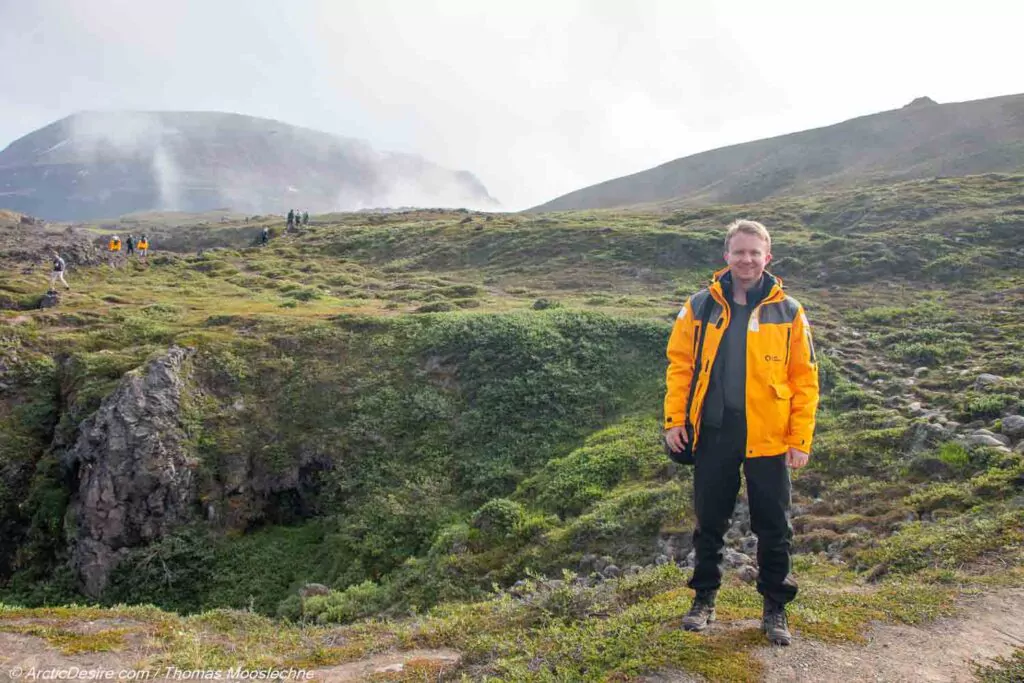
[197,161]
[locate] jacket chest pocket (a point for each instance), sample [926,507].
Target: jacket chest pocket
[770,347]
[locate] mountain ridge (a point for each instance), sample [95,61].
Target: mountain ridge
[920,140]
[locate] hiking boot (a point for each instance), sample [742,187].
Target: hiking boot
[702,611]
[774,623]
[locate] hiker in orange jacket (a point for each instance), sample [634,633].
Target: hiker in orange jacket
[753,406]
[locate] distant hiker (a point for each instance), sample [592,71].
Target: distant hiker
[130,245]
[114,247]
[305,218]
[59,268]
[265,236]
[291,218]
[143,247]
[750,403]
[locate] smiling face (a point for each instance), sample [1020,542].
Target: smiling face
[747,256]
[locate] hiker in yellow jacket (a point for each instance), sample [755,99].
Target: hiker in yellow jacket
[753,406]
[143,247]
[114,247]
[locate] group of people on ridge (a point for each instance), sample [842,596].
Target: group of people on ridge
[295,219]
[132,245]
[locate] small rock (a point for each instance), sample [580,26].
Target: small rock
[633,569]
[586,563]
[749,545]
[747,573]
[1019,448]
[920,371]
[1013,426]
[311,589]
[50,299]
[660,560]
[982,440]
[928,467]
[915,408]
[735,559]
[612,572]
[985,380]
[1005,440]
[600,563]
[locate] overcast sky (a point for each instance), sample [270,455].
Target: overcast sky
[537,98]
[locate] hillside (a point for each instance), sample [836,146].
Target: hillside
[921,140]
[432,436]
[104,164]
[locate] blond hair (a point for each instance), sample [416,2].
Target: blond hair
[748,228]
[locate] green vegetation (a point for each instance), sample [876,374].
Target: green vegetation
[418,412]
[1003,670]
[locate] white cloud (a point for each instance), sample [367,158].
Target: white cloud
[536,98]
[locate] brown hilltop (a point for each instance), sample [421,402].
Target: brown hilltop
[920,140]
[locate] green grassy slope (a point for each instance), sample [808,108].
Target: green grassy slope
[470,400]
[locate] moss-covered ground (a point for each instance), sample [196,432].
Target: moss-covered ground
[472,400]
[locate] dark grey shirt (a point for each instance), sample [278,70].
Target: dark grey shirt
[733,356]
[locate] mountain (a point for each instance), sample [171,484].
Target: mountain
[104,164]
[921,140]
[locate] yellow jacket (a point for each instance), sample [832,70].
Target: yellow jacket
[115,245]
[782,369]
[143,245]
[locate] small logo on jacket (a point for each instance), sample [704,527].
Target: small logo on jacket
[772,359]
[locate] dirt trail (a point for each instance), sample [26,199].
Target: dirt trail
[430,660]
[983,627]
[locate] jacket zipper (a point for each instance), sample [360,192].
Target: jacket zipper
[789,331]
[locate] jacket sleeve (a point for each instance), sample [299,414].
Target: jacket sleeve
[803,380]
[680,368]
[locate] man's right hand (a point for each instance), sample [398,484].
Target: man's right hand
[676,438]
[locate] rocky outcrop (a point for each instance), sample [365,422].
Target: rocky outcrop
[133,470]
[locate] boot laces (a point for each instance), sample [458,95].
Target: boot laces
[776,617]
[701,606]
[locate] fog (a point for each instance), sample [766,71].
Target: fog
[534,98]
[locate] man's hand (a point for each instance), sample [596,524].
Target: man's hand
[796,458]
[676,438]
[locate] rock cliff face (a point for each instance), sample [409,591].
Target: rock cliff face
[135,480]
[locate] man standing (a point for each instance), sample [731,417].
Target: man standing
[130,245]
[59,268]
[753,406]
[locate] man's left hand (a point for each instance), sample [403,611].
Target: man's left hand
[796,458]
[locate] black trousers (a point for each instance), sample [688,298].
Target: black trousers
[716,482]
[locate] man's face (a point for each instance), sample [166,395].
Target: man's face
[748,255]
